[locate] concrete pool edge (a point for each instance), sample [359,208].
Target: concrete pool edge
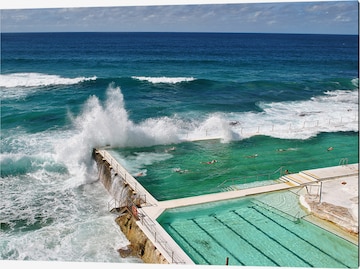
[147,211]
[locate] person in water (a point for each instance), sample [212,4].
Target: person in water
[178,170]
[170,149]
[210,162]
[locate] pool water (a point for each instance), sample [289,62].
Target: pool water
[181,170]
[261,230]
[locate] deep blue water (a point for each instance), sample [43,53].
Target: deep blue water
[64,93]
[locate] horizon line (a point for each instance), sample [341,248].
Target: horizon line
[175,32]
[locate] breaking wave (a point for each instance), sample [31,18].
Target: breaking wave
[38,80]
[108,124]
[170,80]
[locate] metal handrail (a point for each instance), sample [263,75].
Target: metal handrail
[111,204]
[279,170]
[127,177]
[146,221]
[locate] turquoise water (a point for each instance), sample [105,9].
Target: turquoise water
[250,232]
[62,94]
[181,170]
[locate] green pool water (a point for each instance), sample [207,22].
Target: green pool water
[264,230]
[181,170]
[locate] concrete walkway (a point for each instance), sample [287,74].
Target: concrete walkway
[333,172]
[321,174]
[156,210]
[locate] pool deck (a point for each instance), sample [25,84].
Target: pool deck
[290,181]
[151,211]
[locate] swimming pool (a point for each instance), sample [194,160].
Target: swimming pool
[262,230]
[182,170]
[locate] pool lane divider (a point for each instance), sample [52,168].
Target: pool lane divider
[297,235]
[189,244]
[273,239]
[217,241]
[244,239]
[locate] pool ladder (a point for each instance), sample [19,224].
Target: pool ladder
[297,218]
[343,161]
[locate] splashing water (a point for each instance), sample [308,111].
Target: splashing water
[108,124]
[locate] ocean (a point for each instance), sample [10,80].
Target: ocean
[62,94]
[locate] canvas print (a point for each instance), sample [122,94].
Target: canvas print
[203,134]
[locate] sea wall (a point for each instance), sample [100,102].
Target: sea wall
[104,171]
[112,182]
[140,245]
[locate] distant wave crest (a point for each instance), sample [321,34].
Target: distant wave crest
[38,80]
[170,80]
[355,82]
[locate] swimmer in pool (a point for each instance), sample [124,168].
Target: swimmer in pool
[210,162]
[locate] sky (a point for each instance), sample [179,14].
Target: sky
[321,17]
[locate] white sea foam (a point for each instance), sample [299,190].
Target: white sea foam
[170,80]
[355,82]
[136,163]
[98,125]
[333,112]
[108,124]
[54,215]
[20,85]
[37,80]
[56,223]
